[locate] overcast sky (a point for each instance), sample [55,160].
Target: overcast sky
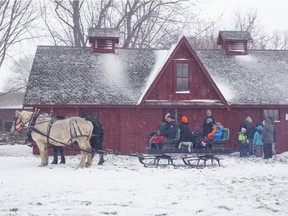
[272,14]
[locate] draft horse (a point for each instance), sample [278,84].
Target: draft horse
[45,130]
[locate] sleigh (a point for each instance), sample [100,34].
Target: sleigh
[186,153]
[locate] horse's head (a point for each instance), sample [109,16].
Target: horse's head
[21,120]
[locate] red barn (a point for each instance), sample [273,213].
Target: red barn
[130,90]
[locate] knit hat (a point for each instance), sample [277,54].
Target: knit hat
[248,119]
[259,127]
[243,130]
[171,116]
[209,120]
[184,119]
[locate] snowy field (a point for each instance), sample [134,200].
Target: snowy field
[122,186]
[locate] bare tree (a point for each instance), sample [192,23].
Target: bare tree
[16,21]
[20,71]
[249,22]
[279,40]
[142,23]
[71,19]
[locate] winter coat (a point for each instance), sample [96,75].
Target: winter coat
[207,129]
[185,132]
[196,138]
[268,132]
[250,129]
[257,139]
[169,130]
[212,118]
[219,132]
[242,138]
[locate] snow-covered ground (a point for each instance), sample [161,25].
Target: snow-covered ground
[122,186]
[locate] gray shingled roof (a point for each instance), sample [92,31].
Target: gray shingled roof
[103,32]
[11,100]
[233,36]
[66,75]
[257,78]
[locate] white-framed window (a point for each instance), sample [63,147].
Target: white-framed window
[182,77]
[273,114]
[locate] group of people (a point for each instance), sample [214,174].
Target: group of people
[259,139]
[168,132]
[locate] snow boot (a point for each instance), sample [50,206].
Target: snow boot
[63,161]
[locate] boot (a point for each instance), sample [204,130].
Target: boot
[101,159]
[63,161]
[55,156]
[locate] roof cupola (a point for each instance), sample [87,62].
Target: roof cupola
[103,40]
[234,42]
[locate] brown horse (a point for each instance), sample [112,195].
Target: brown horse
[59,133]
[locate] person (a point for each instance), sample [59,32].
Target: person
[97,137]
[219,131]
[166,133]
[208,133]
[197,138]
[185,131]
[209,115]
[267,138]
[274,138]
[250,130]
[257,141]
[243,143]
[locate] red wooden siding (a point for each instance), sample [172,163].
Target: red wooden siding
[126,129]
[200,87]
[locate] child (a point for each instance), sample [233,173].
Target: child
[243,143]
[257,141]
[219,132]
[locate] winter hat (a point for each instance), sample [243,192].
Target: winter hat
[248,119]
[184,119]
[243,130]
[167,115]
[209,120]
[259,127]
[171,116]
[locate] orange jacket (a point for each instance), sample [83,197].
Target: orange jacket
[213,131]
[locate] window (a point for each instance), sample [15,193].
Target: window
[273,114]
[182,84]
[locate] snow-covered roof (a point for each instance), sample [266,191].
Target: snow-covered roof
[233,36]
[103,32]
[12,100]
[67,75]
[75,76]
[257,78]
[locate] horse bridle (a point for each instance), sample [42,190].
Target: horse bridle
[23,126]
[21,123]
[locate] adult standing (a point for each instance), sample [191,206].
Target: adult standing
[250,130]
[209,115]
[185,131]
[267,138]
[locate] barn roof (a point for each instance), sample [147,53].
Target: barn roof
[75,76]
[257,78]
[67,75]
[11,100]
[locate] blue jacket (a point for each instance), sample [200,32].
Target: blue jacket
[219,133]
[257,139]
